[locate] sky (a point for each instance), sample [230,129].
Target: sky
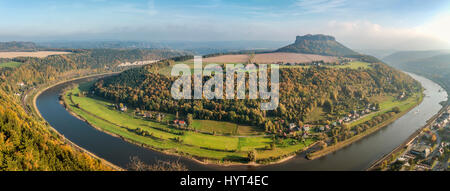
[372,24]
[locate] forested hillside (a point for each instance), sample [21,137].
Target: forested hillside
[26,144]
[17,46]
[302,91]
[41,70]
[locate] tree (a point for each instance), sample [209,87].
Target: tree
[396,109]
[158,117]
[189,120]
[433,138]
[136,164]
[252,156]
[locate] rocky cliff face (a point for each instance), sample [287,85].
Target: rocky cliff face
[318,37]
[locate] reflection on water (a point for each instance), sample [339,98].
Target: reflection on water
[357,156]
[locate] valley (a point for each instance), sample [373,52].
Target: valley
[136,106]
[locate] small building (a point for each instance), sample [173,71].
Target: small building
[321,128]
[292,126]
[306,128]
[421,150]
[21,84]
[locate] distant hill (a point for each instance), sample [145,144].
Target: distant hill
[401,57]
[17,46]
[195,47]
[318,44]
[378,53]
[434,64]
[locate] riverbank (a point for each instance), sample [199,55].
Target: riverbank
[37,92]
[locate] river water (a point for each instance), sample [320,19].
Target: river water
[357,156]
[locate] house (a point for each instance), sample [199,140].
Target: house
[321,128]
[347,119]
[306,128]
[292,126]
[421,150]
[181,123]
[147,115]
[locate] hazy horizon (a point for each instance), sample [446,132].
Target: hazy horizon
[379,25]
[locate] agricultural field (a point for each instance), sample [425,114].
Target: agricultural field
[225,128]
[233,146]
[10,64]
[38,54]
[269,58]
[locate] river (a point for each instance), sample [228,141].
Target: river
[357,156]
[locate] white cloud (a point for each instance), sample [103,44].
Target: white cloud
[365,34]
[438,27]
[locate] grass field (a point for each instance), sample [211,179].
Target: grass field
[10,64]
[225,128]
[100,114]
[354,65]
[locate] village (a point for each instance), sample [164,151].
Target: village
[307,130]
[428,151]
[137,63]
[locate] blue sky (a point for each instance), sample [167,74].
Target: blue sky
[355,22]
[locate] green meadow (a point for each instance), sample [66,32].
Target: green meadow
[10,64]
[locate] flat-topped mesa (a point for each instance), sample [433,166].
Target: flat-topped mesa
[314,37]
[318,44]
